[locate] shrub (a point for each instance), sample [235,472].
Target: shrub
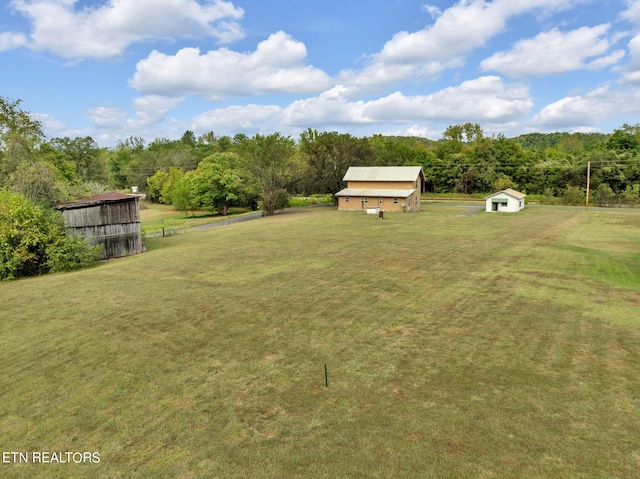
[631,195]
[604,195]
[33,242]
[316,199]
[573,195]
[73,253]
[548,197]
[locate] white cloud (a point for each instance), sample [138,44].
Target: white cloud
[106,30]
[483,99]
[556,52]
[248,119]
[631,78]
[584,111]
[632,13]
[606,61]
[486,99]
[372,77]
[149,121]
[107,118]
[631,72]
[55,128]
[52,126]
[456,32]
[9,41]
[153,109]
[459,30]
[432,10]
[330,108]
[414,130]
[277,66]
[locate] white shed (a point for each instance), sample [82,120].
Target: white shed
[509,201]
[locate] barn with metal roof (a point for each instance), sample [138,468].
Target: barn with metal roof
[389,188]
[110,219]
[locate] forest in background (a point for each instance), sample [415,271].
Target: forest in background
[212,173]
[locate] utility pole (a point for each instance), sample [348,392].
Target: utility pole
[588,178]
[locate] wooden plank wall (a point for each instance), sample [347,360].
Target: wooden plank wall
[115,226]
[117,240]
[103,214]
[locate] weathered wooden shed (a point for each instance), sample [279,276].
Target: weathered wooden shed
[110,219]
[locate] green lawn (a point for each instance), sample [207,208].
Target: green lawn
[155,216]
[490,346]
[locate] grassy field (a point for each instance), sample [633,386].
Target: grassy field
[490,346]
[155,216]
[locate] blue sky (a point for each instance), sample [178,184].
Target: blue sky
[156,68]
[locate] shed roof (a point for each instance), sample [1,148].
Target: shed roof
[111,197]
[513,193]
[383,173]
[375,193]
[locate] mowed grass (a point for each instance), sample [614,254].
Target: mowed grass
[495,346]
[155,216]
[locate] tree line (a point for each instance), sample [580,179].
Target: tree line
[214,172]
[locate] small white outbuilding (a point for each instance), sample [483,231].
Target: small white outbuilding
[509,201]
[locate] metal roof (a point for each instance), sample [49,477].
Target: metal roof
[375,193]
[513,193]
[383,173]
[111,197]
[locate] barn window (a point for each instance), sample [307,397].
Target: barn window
[346,199]
[366,199]
[395,201]
[379,201]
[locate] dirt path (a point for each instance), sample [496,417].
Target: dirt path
[472,210]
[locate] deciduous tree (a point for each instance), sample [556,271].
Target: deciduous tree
[20,134]
[328,156]
[216,183]
[269,163]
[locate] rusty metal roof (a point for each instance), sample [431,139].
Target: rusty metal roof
[111,197]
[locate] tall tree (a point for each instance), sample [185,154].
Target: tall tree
[189,139]
[85,154]
[269,163]
[216,183]
[328,156]
[20,135]
[623,140]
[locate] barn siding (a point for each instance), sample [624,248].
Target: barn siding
[114,225]
[117,240]
[102,214]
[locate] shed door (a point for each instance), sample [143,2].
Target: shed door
[498,203]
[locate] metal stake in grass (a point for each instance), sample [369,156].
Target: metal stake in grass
[326,377]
